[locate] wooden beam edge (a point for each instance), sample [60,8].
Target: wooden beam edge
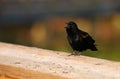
[19,73]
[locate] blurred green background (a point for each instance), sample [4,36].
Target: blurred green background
[41,23]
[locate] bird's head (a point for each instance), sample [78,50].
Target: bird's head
[71,26]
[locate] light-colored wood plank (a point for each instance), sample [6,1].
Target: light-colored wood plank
[34,63]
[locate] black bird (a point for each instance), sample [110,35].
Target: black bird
[78,39]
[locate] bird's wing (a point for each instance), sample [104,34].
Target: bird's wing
[83,35]
[87,37]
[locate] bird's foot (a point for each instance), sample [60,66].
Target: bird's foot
[76,53]
[70,54]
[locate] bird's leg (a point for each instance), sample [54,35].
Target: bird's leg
[73,53]
[77,53]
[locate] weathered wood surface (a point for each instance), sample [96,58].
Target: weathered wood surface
[21,62]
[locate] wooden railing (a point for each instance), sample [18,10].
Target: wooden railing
[21,62]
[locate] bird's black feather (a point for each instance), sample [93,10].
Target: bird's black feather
[78,39]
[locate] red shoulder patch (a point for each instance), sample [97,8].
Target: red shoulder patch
[83,35]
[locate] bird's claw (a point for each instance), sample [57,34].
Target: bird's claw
[75,54]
